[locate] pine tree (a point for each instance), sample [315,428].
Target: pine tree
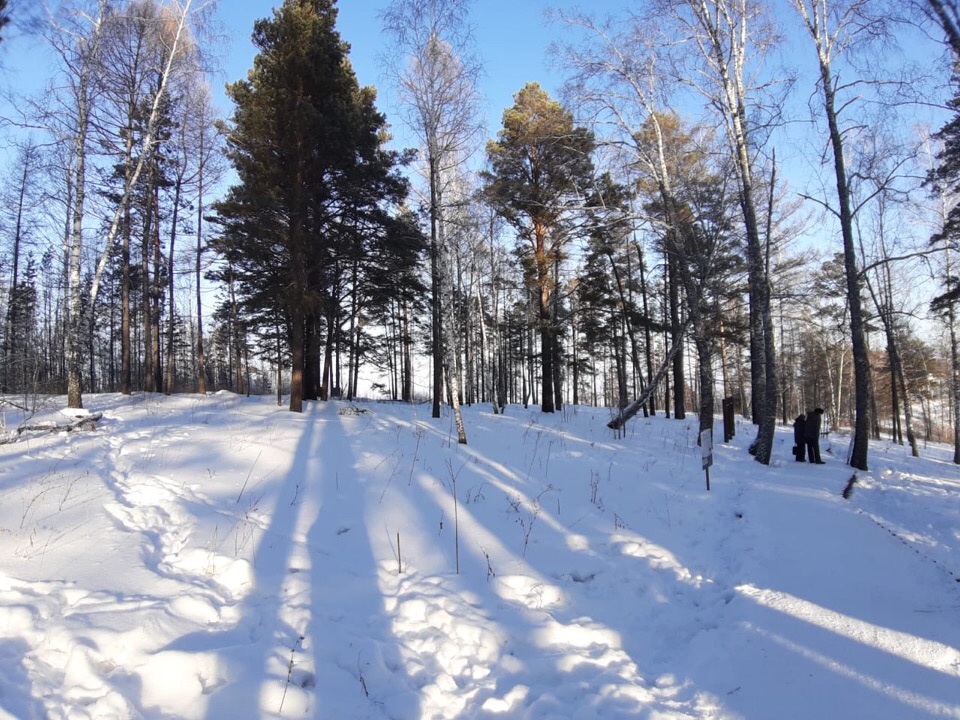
[944,180]
[540,166]
[307,146]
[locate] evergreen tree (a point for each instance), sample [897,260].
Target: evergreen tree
[307,146]
[21,357]
[540,166]
[944,180]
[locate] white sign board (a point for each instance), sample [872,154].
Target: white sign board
[706,447]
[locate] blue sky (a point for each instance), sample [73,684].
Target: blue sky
[513,37]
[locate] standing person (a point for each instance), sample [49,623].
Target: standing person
[811,434]
[799,439]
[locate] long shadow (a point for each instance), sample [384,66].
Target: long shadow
[244,650]
[760,645]
[517,639]
[676,662]
[16,699]
[357,661]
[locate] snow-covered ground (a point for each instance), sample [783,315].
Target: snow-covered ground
[219,557]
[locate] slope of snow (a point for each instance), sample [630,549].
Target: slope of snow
[219,557]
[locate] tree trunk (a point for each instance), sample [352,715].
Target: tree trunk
[236,339]
[354,348]
[955,381]
[861,360]
[679,389]
[449,331]
[126,345]
[545,323]
[12,301]
[297,357]
[407,357]
[74,251]
[156,295]
[954,360]
[648,338]
[557,345]
[201,357]
[487,347]
[145,304]
[327,385]
[436,316]
[279,351]
[705,351]
[171,324]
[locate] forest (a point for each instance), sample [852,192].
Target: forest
[641,241]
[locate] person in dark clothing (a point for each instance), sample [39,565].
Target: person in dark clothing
[811,433]
[799,440]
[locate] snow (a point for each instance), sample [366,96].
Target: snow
[220,557]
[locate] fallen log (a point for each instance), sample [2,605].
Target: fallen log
[633,408]
[84,422]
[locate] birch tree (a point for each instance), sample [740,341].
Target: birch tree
[729,39]
[437,87]
[77,35]
[76,40]
[833,30]
[946,15]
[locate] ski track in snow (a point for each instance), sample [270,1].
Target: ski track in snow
[218,557]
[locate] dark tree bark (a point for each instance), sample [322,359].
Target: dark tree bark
[815,18]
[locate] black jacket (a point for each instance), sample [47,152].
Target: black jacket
[811,428]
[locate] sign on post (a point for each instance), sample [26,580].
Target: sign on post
[706,450]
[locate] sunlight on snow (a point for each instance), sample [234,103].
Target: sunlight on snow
[925,653]
[657,557]
[885,687]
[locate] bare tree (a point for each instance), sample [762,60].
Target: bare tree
[437,86]
[206,141]
[835,29]
[196,165]
[77,36]
[879,282]
[946,14]
[76,39]
[730,39]
[20,197]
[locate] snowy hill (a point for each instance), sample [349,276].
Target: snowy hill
[219,557]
